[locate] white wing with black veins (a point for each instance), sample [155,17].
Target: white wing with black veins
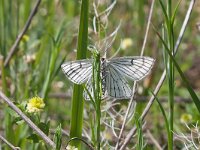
[78,71]
[135,68]
[116,85]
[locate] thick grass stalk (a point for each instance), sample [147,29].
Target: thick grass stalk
[97,96]
[169,18]
[170,70]
[77,101]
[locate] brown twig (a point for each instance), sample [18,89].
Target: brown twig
[133,130]
[21,34]
[27,120]
[154,140]
[8,143]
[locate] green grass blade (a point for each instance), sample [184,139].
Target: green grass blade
[52,63]
[164,10]
[175,11]
[163,112]
[77,101]
[188,86]
[97,95]
[58,137]
[140,142]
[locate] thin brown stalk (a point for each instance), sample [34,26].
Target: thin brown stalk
[21,34]
[154,140]
[8,143]
[27,120]
[147,29]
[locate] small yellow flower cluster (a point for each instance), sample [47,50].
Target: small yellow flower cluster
[69,147]
[25,38]
[35,104]
[186,118]
[126,43]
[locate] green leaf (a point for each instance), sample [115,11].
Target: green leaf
[163,112]
[164,10]
[17,120]
[175,11]
[44,127]
[140,142]
[58,137]
[34,138]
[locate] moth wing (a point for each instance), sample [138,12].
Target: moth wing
[116,85]
[135,68]
[78,71]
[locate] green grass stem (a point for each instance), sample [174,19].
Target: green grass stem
[77,101]
[169,17]
[97,96]
[163,113]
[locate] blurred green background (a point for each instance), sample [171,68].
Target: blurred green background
[51,39]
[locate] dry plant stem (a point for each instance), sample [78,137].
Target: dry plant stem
[19,37]
[8,143]
[134,86]
[125,118]
[147,29]
[187,16]
[154,140]
[133,130]
[28,121]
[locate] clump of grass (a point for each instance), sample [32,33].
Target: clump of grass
[168,41]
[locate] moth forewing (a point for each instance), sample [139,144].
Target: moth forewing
[78,71]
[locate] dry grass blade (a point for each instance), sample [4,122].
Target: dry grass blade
[8,143]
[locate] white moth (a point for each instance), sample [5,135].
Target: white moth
[113,74]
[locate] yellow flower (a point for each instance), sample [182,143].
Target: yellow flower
[186,118]
[69,147]
[35,104]
[25,38]
[126,43]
